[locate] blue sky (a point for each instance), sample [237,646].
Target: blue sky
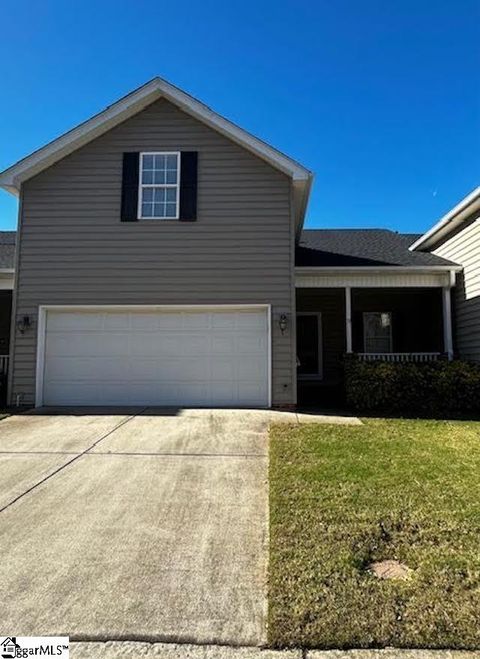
[380,99]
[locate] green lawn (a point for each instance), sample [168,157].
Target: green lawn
[343,496]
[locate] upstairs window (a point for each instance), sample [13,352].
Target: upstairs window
[377,331]
[159,186]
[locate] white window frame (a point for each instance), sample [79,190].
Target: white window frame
[319,374]
[376,313]
[158,185]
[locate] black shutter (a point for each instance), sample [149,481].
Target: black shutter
[130,176]
[188,186]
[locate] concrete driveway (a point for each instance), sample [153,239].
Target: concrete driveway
[138,525]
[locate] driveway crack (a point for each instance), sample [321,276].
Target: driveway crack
[74,459]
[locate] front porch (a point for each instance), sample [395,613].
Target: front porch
[396,324]
[5,320]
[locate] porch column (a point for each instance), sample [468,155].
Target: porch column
[348,318]
[447,321]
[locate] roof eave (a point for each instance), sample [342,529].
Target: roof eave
[12,178]
[301,195]
[379,268]
[449,222]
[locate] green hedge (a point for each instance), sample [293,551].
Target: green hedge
[439,388]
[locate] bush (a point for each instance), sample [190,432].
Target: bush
[415,389]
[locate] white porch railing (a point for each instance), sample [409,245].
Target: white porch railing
[3,364]
[399,356]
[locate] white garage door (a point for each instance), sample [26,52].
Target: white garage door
[156,357]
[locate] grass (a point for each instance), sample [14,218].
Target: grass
[343,496]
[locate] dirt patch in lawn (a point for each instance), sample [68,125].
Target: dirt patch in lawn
[344,498]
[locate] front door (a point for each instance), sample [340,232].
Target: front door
[309,345]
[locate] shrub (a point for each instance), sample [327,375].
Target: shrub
[415,389]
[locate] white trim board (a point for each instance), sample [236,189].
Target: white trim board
[12,178]
[7,282]
[42,326]
[449,222]
[365,278]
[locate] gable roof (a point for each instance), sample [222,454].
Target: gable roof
[355,248]
[7,250]
[135,102]
[450,222]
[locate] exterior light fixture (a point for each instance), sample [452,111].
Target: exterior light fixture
[23,324]
[283,322]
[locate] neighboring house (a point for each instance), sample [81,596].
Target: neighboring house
[457,237]
[162,262]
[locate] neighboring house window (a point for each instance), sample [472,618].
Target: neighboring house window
[377,331]
[309,345]
[159,186]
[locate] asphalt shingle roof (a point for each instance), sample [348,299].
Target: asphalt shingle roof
[7,249]
[360,247]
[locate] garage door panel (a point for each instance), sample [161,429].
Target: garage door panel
[116,321]
[224,368]
[74,394]
[249,391]
[224,321]
[184,369]
[252,321]
[199,358]
[75,321]
[196,321]
[249,368]
[175,393]
[86,368]
[170,321]
[223,343]
[93,344]
[144,368]
[251,344]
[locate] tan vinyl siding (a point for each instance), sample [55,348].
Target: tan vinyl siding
[75,250]
[464,248]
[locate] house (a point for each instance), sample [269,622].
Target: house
[162,261]
[457,237]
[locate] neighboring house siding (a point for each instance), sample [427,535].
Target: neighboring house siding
[75,250]
[464,248]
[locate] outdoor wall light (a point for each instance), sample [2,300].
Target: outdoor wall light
[23,324]
[283,322]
